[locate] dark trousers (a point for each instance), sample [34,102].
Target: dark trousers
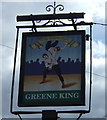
[57,70]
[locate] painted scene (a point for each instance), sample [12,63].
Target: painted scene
[53,63]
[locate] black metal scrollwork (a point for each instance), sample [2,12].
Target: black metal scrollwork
[54,7]
[49,8]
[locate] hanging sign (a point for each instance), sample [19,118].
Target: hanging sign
[52,71]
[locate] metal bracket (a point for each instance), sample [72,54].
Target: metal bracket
[34,26]
[79,116]
[49,115]
[53,19]
[74,25]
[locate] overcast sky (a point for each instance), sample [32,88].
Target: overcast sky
[95,12]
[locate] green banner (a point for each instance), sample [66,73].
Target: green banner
[42,98]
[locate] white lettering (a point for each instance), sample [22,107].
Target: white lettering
[41,96]
[51,96]
[68,95]
[61,95]
[27,96]
[76,95]
[33,96]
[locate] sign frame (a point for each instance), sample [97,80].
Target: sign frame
[25,35]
